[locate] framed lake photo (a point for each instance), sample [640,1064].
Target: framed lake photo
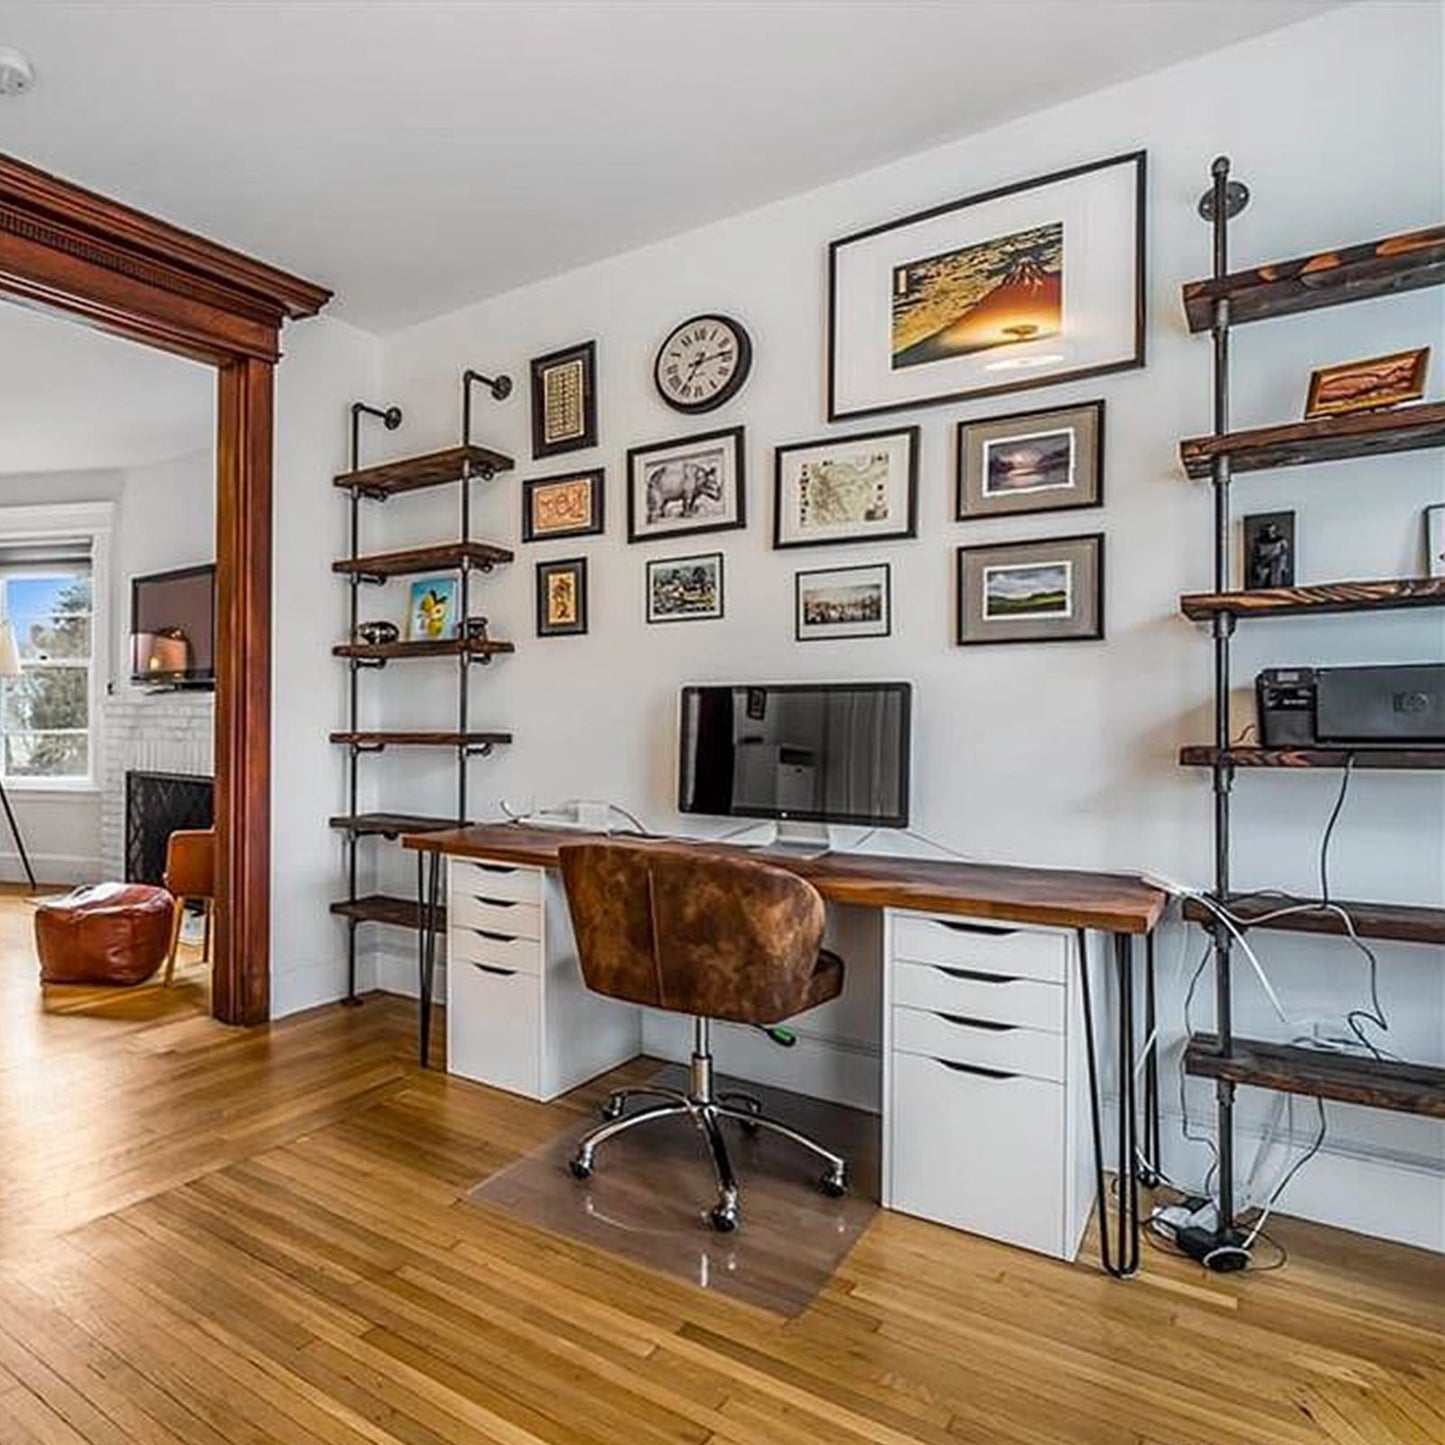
[685,589]
[842,602]
[564,400]
[1046,591]
[1032,461]
[562,598]
[846,489]
[1027,285]
[563,506]
[683,487]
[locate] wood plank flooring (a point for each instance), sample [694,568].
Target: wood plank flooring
[212,1236]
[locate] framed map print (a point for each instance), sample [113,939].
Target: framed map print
[846,489]
[564,400]
[1027,285]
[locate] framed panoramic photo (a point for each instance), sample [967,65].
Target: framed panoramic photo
[683,487]
[1026,285]
[1046,591]
[563,506]
[564,400]
[840,602]
[846,489]
[1032,461]
[562,597]
[685,589]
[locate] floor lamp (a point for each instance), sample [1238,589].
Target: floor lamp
[10,667]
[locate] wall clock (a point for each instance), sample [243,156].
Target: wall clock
[703,363]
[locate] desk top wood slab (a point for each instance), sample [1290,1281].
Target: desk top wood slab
[1055,897]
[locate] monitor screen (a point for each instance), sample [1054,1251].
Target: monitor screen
[822,752]
[173,627]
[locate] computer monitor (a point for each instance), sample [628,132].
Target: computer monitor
[805,752]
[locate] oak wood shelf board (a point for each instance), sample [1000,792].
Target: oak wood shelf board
[1348,1078]
[420,739]
[443,647]
[1388,594]
[446,556]
[1395,922]
[379,908]
[389,825]
[435,469]
[1327,439]
[1422,759]
[1327,278]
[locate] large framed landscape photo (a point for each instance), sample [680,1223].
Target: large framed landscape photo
[846,489]
[1043,591]
[1026,285]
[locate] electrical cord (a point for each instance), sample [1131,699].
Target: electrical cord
[1316,1145]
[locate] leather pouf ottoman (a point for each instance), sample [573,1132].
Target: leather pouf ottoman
[111,933]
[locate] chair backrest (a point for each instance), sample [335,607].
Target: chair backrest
[675,927]
[191,863]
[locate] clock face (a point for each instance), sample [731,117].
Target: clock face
[703,363]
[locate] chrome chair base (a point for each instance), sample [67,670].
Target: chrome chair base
[707,1109]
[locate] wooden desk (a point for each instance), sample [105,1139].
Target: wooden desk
[1116,904]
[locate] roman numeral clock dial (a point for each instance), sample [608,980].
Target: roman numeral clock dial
[703,363]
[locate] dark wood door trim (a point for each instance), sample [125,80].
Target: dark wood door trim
[73,251]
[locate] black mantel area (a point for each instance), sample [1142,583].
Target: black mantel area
[157,805]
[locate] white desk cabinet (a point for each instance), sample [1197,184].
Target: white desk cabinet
[985,1091]
[519,1016]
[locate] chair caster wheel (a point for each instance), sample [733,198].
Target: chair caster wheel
[835,1186]
[580,1168]
[724,1219]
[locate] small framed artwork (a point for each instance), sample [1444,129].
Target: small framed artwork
[683,487]
[564,400]
[562,597]
[1026,285]
[1269,550]
[1046,591]
[685,589]
[1033,461]
[431,614]
[563,506]
[839,602]
[1372,385]
[846,489]
[1435,541]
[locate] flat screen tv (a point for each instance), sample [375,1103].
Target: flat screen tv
[804,752]
[173,628]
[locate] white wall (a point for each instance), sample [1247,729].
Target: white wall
[1037,754]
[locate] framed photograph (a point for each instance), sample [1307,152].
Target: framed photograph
[846,489]
[1027,285]
[838,602]
[1379,382]
[685,589]
[1269,550]
[684,487]
[562,597]
[564,506]
[431,614]
[1046,591]
[1435,540]
[1033,461]
[564,400]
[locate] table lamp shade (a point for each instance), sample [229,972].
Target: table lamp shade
[9,651]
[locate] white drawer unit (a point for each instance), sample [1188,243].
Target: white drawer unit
[519,1016]
[985,1091]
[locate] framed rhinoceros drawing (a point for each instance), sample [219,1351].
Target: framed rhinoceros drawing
[689,485]
[846,489]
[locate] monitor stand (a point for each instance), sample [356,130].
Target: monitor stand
[800,840]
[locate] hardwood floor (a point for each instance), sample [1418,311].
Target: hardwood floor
[216,1236]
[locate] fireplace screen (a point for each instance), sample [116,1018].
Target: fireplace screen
[157,805]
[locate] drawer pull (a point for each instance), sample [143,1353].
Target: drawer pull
[973,976]
[495,902]
[992,1025]
[495,937]
[975,1069]
[491,968]
[493,868]
[989,930]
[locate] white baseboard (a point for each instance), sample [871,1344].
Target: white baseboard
[69,868]
[296,987]
[396,972]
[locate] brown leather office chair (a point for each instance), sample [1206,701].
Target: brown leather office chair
[674,927]
[190,876]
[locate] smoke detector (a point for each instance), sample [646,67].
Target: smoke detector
[17,74]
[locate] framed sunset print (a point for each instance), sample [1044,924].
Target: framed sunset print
[1026,285]
[1032,461]
[846,489]
[563,506]
[1045,591]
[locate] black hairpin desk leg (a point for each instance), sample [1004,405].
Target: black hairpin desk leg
[429,887]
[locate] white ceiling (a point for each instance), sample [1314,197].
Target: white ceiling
[73,399]
[417,155]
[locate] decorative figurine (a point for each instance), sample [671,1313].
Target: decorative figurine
[377,634]
[1269,550]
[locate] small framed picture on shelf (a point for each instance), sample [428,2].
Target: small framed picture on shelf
[1269,550]
[843,602]
[1371,385]
[687,486]
[1435,540]
[1045,591]
[1032,461]
[846,489]
[685,589]
[431,615]
[563,506]
[562,597]
[564,400]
